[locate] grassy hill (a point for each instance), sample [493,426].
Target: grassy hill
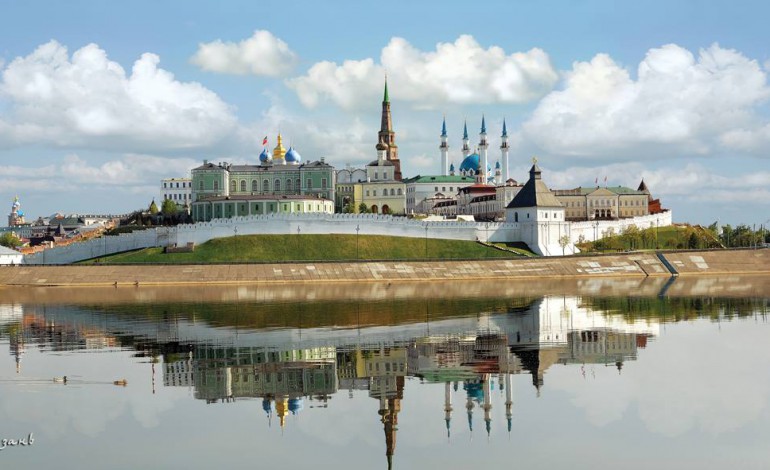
[279,248]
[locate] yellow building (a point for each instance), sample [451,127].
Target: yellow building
[616,202]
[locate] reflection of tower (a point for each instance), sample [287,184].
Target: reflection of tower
[17,348]
[389,409]
[447,406]
[508,401]
[282,409]
[267,405]
[487,403]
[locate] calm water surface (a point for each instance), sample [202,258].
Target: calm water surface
[578,374]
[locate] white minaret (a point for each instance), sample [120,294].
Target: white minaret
[466,141]
[508,400]
[504,151]
[484,163]
[444,147]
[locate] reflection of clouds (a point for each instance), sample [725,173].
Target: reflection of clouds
[86,409]
[682,381]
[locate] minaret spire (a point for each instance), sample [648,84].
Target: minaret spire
[504,148]
[483,154]
[444,147]
[466,144]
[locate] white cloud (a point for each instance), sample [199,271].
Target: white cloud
[460,72]
[130,173]
[693,181]
[261,54]
[677,103]
[90,100]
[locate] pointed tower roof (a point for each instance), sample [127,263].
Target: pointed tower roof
[385,98]
[534,193]
[643,187]
[465,130]
[443,128]
[483,125]
[505,131]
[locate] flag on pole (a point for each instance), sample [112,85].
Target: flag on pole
[264,141]
[605,181]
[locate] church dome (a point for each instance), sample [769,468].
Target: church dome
[292,156]
[264,156]
[471,162]
[497,165]
[295,405]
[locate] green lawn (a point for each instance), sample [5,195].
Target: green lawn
[277,248]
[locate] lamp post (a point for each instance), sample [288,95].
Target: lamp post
[357,230]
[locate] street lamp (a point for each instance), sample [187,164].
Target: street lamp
[357,230]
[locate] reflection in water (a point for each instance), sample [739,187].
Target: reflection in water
[294,355]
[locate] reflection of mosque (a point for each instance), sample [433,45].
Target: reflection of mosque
[473,356]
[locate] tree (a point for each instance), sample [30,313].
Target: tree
[10,240]
[362,208]
[692,241]
[168,207]
[563,242]
[153,207]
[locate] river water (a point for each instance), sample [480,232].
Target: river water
[589,374]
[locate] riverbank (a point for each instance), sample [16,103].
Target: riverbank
[646,264]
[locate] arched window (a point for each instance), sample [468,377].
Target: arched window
[216,185]
[288,185]
[399,191]
[254,186]
[298,185]
[392,192]
[277,185]
[243,186]
[200,185]
[232,186]
[515,216]
[266,185]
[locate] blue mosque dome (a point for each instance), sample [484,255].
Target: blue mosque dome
[295,405]
[452,167]
[264,156]
[497,165]
[471,162]
[292,156]
[267,405]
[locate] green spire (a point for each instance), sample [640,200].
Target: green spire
[385,98]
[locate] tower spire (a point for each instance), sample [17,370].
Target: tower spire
[385,98]
[386,134]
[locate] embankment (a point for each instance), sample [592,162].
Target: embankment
[725,262]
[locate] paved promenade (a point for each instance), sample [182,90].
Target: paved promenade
[622,265]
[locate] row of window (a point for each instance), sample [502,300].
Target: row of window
[384,192]
[176,197]
[603,203]
[290,186]
[170,184]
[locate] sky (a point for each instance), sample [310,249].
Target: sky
[101,100]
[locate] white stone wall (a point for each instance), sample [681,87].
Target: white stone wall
[542,237]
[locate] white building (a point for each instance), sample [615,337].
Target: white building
[540,216]
[178,190]
[9,256]
[422,188]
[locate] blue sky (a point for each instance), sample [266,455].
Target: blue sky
[100,100]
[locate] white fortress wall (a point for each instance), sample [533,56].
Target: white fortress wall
[542,238]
